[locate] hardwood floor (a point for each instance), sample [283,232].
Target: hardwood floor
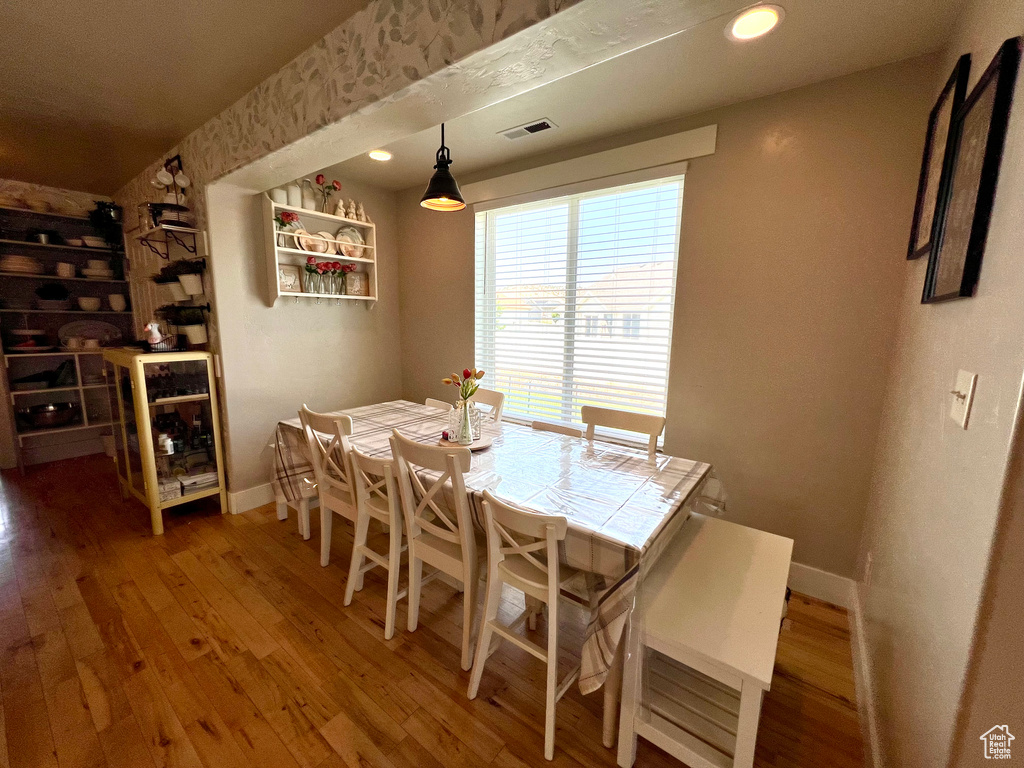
[224,644]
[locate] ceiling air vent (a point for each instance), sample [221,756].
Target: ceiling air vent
[536,126]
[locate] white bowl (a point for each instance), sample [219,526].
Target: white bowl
[94,242]
[99,264]
[89,303]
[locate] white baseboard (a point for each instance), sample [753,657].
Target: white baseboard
[250,498]
[866,707]
[820,584]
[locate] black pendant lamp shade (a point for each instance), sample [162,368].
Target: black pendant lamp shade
[443,191]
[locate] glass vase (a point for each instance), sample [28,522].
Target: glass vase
[464,434]
[313,282]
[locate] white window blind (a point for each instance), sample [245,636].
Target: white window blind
[574,299]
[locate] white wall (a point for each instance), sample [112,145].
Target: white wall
[936,487]
[278,357]
[791,260]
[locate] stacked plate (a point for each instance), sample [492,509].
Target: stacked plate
[98,269]
[26,265]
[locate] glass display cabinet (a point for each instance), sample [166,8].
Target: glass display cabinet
[167,441]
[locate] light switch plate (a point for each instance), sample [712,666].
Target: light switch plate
[963,397]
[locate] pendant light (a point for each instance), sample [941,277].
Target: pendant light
[443,191]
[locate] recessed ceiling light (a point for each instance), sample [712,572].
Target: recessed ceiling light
[380,154]
[754,22]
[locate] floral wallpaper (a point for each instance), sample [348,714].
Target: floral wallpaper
[377,52]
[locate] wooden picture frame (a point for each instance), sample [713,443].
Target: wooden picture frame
[289,278]
[968,188]
[936,154]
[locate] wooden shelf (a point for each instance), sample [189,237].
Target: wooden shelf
[48,214]
[57,430]
[162,230]
[52,246]
[281,256]
[286,295]
[320,215]
[75,388]
[326,256]
[191,497]
[65,312]
[179,399]
[58,278]
[66,353]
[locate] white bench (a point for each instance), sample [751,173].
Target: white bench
[706,630]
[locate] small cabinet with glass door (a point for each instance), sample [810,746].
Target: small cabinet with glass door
[166,428]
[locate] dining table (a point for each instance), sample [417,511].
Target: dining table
[623,507]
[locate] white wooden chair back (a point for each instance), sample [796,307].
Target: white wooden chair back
[442,509]
[376,486]
[330,459]
[625,420]
[438,404]
[493,399]
[516,533]
[562,429]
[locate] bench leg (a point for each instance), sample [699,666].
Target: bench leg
[630,694]
[612,688]
[746,728]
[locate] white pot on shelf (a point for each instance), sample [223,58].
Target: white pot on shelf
[196,334]
[191,284]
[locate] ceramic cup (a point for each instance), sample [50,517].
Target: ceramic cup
[65,270]
[75,342]
[90,343]
[117,302]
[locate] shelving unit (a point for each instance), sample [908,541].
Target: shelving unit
[93,421]
[159,479]
[314,221]
[159,238]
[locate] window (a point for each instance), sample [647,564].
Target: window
[574,300]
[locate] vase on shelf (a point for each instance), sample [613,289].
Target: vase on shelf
[286,235]
[308,195]
[313,282]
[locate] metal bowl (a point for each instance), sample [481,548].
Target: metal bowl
[48,415]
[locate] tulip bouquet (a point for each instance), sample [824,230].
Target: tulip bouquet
[467,384]
[326,190]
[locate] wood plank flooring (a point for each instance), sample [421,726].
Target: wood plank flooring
[224,644]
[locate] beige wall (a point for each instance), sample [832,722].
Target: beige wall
[297,351]
[791,261]
[936,487]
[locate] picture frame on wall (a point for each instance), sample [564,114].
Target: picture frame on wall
[936,153]
[289,278]
[968,189]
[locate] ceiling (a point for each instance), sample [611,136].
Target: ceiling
[92,91]
[685,74]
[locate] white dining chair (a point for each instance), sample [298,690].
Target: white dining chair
[491,398]
[331,470]
[377,498]
[562,429]
[438,404]
[439,525]
[522,551]
[625,420]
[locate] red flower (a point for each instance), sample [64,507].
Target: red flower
[466,373]
[336,265]
[321,266]
[319,178]
[311,259]
[348,268]
[337,185]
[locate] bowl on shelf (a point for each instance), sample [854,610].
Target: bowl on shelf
[99,264]
[91,241]
[48,415]
[65,269]
[88,303]
[75,241]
